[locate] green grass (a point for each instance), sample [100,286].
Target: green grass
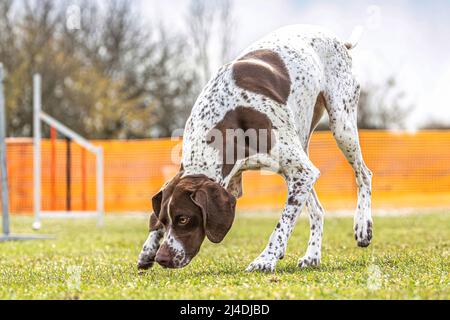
[409,259]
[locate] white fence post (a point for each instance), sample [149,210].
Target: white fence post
[39,116]
[37,150]
[4,171]
[7,236]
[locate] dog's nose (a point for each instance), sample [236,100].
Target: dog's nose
[163,258]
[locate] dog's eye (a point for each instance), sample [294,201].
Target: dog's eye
[183,220]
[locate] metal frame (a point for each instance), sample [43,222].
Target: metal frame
[38,116]
[7,236]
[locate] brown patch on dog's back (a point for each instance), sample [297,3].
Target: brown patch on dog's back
[245,119]
[263,72]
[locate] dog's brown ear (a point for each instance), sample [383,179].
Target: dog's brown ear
[156,203]
[154,223]
[168,187]
[218,208]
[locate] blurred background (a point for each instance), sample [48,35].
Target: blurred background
[125,73]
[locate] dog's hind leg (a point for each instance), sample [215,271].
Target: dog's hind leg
[342,105]
[316,213]
[316,216]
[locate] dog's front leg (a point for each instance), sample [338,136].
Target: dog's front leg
[149,250]
[300,176]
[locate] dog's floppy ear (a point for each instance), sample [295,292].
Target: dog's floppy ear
[158,199]
[218,208]
[154,223]
[156,203]
[168,187]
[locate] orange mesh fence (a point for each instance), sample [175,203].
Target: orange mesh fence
[410,170]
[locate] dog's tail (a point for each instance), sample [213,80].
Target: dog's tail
[356,36]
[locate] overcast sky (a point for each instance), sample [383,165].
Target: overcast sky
[408,39]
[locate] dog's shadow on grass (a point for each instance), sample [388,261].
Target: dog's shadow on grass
[343,266]
[287,269]
[290,269]
[294,269]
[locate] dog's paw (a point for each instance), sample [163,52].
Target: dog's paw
[308,262]
[145,266]
[262,265]
[364,233]
[145,261]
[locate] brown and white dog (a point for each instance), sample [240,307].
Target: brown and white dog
[258,113]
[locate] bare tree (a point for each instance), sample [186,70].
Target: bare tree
[7,32]
[116,77]
[211,26]
[28,43]
[436,125]
[227,29]
[200,20]
[383,107]
[173,89]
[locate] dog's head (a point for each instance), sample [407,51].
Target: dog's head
[189,209]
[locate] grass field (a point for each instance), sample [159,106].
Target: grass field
[409,259]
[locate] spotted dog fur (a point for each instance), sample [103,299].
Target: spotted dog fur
[150,248]
[282,83]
